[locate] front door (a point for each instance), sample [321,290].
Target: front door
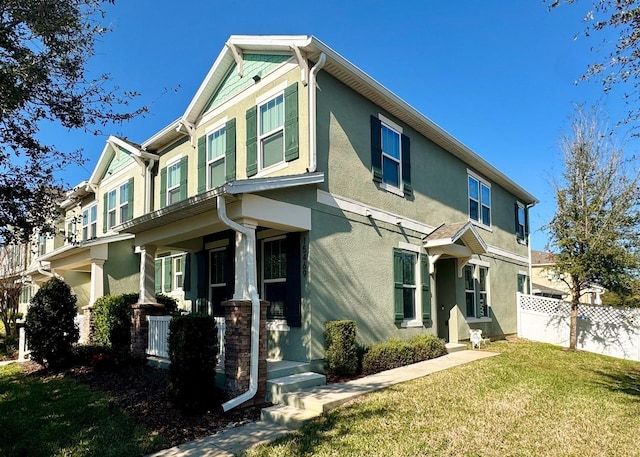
[445,294]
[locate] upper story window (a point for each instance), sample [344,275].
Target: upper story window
[271,137]
[42,245]
[390,156]
[272,131]
[216,147]
[479,200]
[521,222]
[118,205]
[173,182]
[71,232]
[90,223]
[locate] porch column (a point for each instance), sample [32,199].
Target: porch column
[245,256]
[97,280]
[147,274]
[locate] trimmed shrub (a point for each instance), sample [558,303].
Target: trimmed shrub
[49,326]
[340,356]
[112,315]
[193,349]
[396,353]
[170,304]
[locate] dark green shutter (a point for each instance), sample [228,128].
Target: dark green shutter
[376,149]
[201,276]
[202,164]
[291,127]
[526,224]
[104,213]
[398,305]
[158,276]
[406,165]
[426,290]
[184,172]
[292,306]
[230,152]
[252,141]
[167,274]
[517,222]
[130,200]
[186,272]
[163,187]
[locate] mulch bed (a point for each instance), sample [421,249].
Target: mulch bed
[141,392]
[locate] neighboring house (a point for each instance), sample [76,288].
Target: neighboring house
[361,208]
[546,282]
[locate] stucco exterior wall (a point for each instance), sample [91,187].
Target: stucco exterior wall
[122,270]
[80,282]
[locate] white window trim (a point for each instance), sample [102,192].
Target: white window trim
[89,222]
[174,161]
[120,205]
[417,296]
[476,292]
[162,257]
[397,129]
[174,272]
[481,182]
[260,137]
[279,325]
[268,95]
[522,240]
[223,157]
[271,169]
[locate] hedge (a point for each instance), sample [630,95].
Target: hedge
[397,353]
[340,356]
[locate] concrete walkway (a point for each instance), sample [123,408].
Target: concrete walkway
[236,440]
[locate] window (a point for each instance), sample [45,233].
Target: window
[90,223]
[42,245]
[521,222]
[390,156]
[412,289]
[523,283]
[216,146]
[71,233]
[125,196]
[479,201]
[170,273]
[476,291]
[271,132]
[111,209]
[217,280]
[173,183]
[274,276]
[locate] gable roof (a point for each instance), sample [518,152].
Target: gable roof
[541,258]
[450,234]
[112,146]
[310,48]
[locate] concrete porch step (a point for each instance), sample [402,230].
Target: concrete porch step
[281,368]
[455,347]
[278,387]
[287,416]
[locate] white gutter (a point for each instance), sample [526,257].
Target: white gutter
[46,273]
[250,292]
[313,156]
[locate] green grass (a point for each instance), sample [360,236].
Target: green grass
[61,417]
[532,400]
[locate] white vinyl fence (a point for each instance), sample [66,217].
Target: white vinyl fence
[601,329]
[159,335]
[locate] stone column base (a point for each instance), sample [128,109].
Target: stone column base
[237,363]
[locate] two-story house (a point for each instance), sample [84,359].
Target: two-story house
[296,178]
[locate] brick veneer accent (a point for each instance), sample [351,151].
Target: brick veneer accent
[140,326]
[88,330]
[237,340]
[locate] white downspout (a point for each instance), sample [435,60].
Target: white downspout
[251,290]
[147,186]
[313,157]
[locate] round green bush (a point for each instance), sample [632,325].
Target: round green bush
[341,354]
[112,317]
[49,325]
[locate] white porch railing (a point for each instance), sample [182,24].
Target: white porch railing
[23,347]
[159,335]
[78,320]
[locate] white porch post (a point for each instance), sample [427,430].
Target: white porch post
[97,280]
[245,260]
[147,274]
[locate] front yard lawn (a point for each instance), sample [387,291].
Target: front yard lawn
[532,400]
[58,416]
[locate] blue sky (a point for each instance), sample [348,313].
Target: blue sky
[499,75]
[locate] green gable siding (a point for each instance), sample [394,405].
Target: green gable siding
[119,161]
[253,64]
